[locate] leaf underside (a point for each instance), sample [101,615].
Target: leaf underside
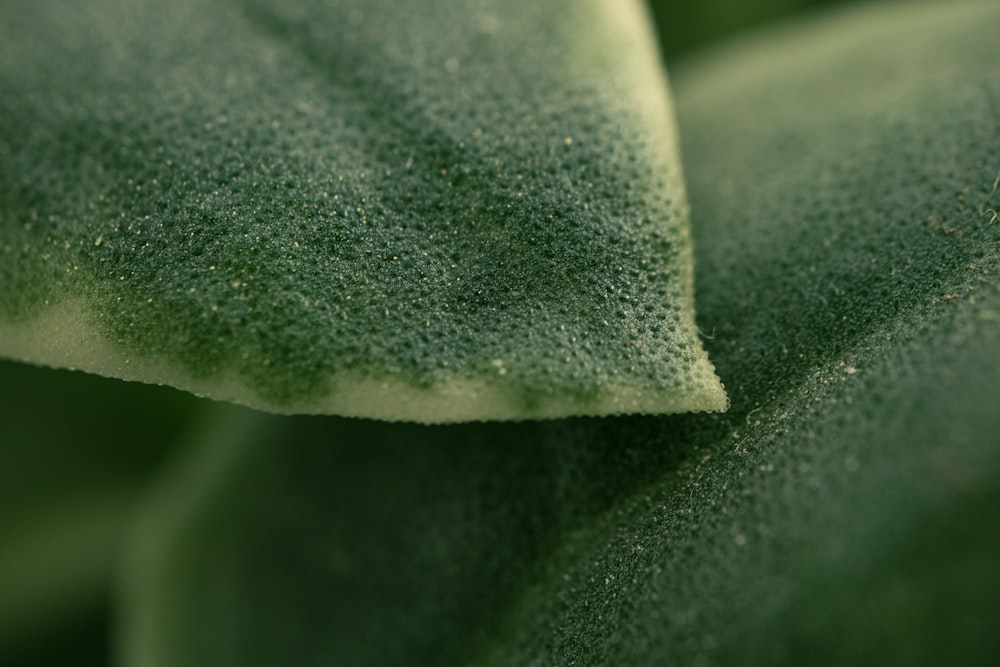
[842,176]
[438,211]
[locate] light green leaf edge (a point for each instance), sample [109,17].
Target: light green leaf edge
[433,212]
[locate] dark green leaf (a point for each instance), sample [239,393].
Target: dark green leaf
[75,452]
[438,211]
[843,177]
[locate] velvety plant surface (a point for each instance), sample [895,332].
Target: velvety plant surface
[440,211]
[843,176]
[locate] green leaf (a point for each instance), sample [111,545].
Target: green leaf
[68,487]
[434,212]
[684,26]
[842,176]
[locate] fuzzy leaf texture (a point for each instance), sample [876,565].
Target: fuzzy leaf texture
[842,175]
[435,211]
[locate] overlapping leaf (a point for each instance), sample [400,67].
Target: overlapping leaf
[436,211]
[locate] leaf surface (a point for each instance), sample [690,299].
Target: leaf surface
[437,212]
[842,175]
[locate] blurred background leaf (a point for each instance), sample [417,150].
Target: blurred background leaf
[685,27]
[75,454]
